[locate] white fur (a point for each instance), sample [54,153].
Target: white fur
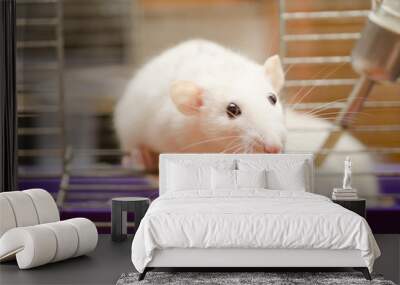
[146,115]
[312,141]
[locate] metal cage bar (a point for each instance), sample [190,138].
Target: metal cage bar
[361,87]
[56,66]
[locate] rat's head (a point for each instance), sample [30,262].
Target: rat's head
[241,112]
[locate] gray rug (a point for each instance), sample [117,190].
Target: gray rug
[269,278]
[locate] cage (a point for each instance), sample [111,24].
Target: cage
[76,57]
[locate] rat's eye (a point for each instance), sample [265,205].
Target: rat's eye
[272,98]
[233,111]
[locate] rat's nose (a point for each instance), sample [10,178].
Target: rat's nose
[272,149]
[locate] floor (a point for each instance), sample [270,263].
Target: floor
[95,268]
[111,259]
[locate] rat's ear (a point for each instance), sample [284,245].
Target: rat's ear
[186,96]
[273,69]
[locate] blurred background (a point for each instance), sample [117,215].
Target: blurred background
[76,56]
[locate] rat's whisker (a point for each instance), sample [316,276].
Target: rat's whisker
[288,69]
[208,140]
[250,148]
[329,103]
[233,147]
[233,142]
[304,87]
[320,113]
[238,149]
[245,147]
[348,120]
[313,87]
[334,113]
[322,107]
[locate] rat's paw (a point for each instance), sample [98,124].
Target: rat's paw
[149,159]
[141,159]
[126,161]
[132,160]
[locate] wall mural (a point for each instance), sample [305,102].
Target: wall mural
[105,87]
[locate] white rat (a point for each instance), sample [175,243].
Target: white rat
[201,97]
